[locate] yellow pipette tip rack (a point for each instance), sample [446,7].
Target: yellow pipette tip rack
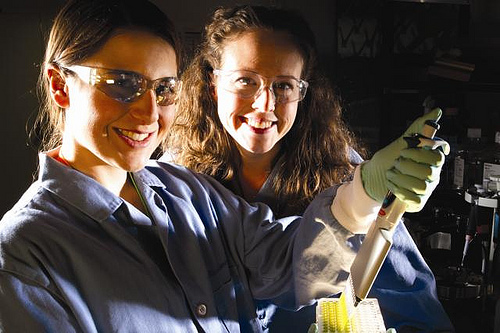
[332,317]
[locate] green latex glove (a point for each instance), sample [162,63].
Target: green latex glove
[410,173]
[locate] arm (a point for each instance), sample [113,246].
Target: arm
[291,260]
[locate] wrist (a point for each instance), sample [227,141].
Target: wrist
[370,182]
[353,207]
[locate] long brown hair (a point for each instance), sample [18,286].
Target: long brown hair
[79,30]
[315,153]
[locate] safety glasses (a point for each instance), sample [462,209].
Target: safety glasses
[127,86]
[248,84]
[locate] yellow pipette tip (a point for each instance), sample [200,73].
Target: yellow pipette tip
[332,316]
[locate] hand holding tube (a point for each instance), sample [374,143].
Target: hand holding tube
[409,167]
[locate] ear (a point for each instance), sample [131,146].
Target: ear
[58,87]
[213,87]
[213,91]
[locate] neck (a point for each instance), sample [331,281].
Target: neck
[255,168]
[111,177]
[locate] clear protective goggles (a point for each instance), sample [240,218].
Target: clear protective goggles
[247,84]
[127,86]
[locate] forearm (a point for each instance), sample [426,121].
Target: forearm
[323,253]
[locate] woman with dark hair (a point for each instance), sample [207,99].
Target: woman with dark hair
[205,144]
[256,114]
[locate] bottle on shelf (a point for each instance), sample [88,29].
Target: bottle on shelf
[459,169]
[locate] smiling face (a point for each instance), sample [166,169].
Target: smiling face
[257,124]
[103,132]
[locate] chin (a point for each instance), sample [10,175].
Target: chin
[259,151]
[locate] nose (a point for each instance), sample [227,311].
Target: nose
[264,100]
[145,108]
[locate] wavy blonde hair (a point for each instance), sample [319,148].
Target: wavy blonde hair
[314,154]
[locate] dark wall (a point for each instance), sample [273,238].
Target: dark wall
[21,27]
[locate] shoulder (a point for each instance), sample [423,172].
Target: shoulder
[28,228]
[32,214]
[31,204]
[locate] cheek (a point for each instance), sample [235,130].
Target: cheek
[228,108]
[167,115]
[103,112]
[79,114]
[287,115]
[87,105]
[94,116]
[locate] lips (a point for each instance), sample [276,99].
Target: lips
[134,136]
[258,123]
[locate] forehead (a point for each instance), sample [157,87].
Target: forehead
[137,51]
[269,53]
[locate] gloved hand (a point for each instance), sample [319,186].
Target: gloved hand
[409,173]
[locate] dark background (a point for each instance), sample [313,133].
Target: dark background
[379,54]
